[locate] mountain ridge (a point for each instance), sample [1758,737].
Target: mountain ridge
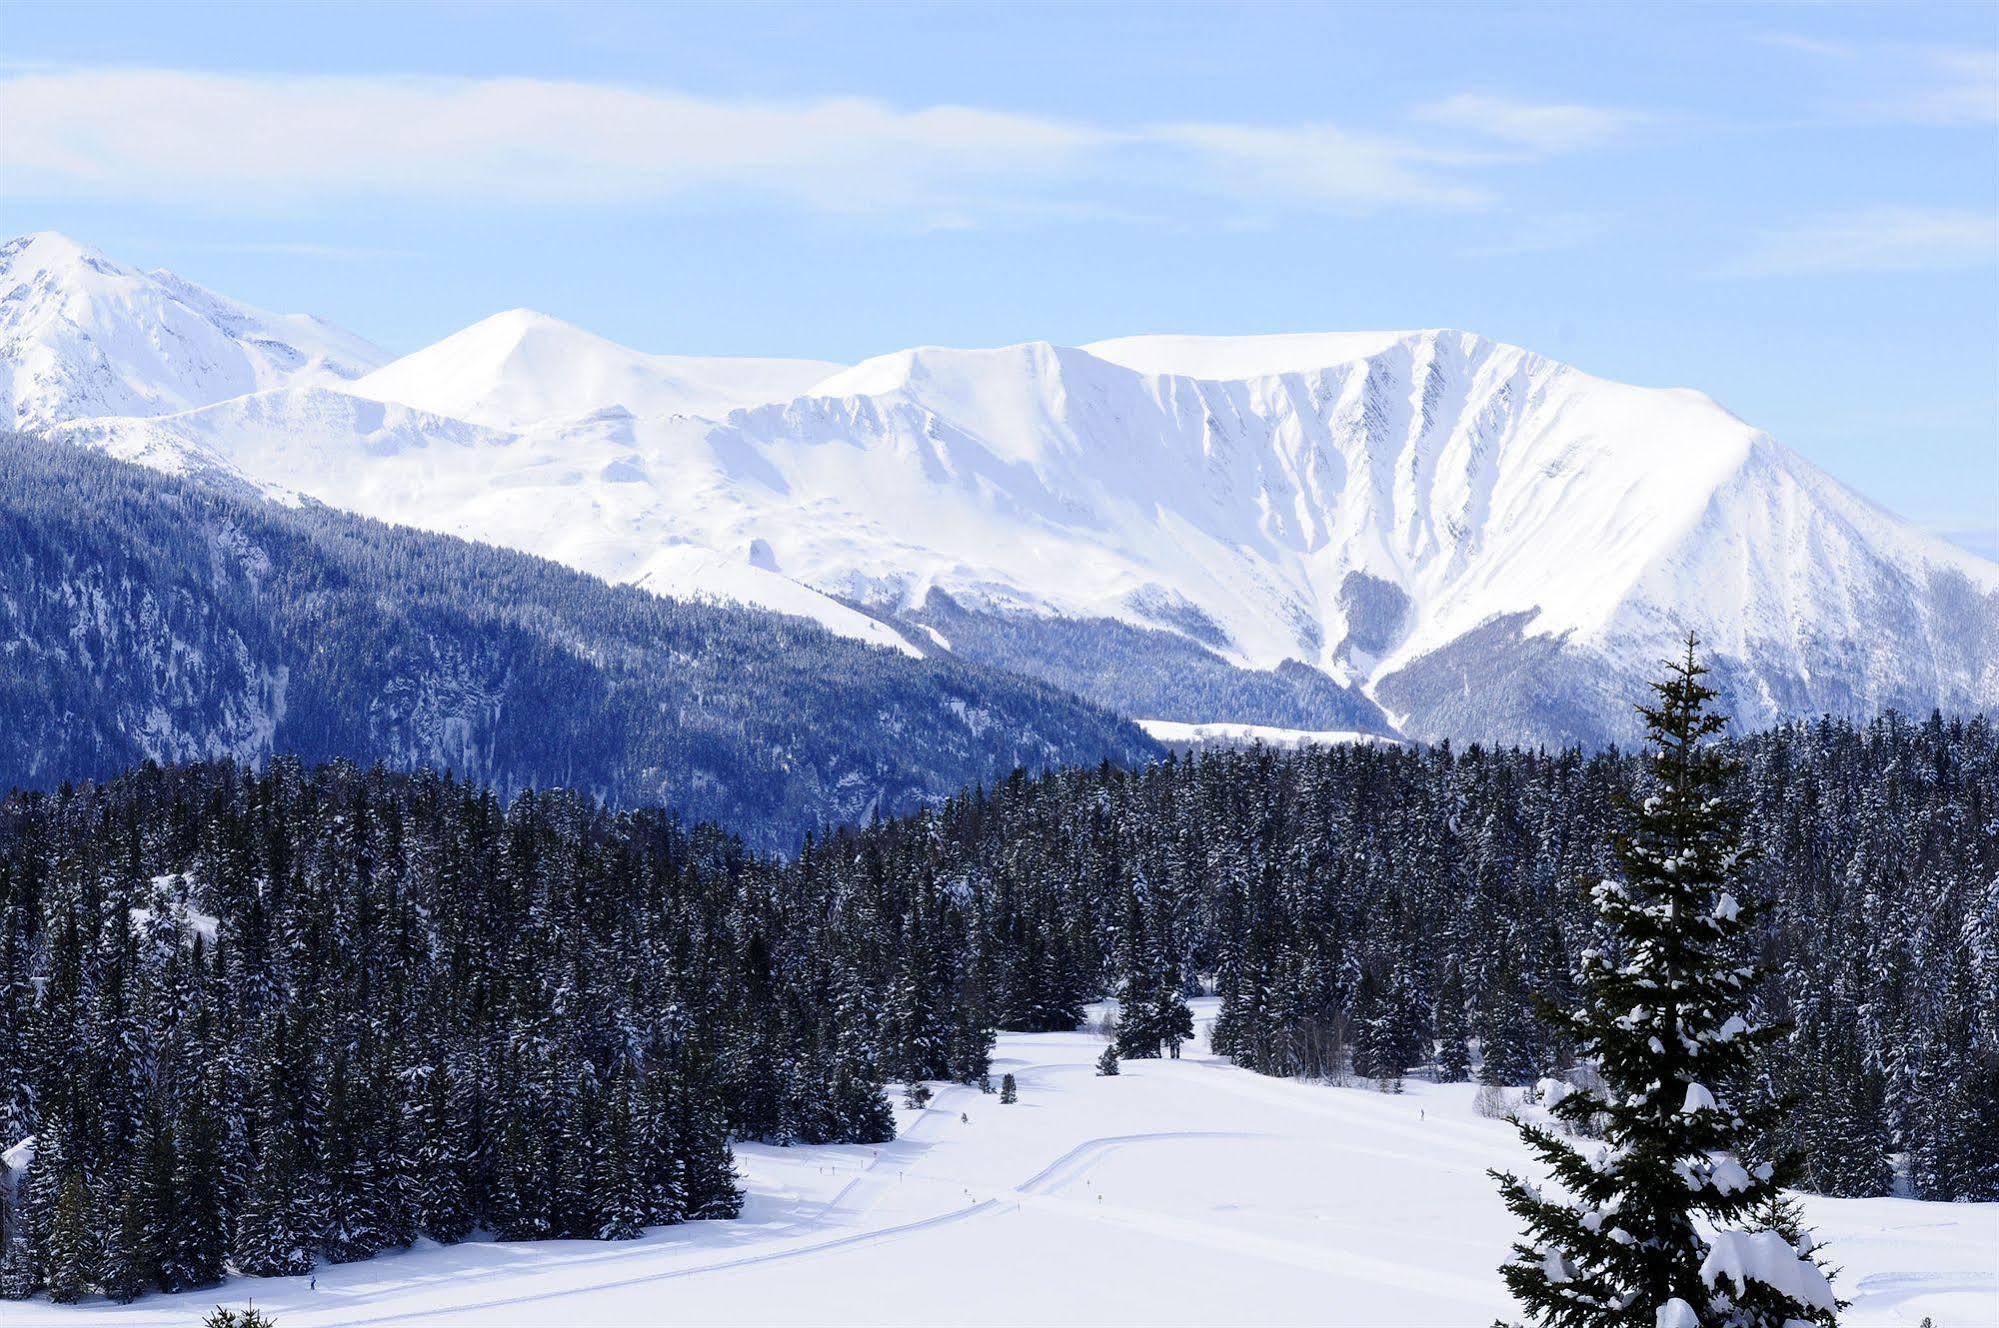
[82,335]
[1430,510]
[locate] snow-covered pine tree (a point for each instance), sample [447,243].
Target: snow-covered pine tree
[439,1197]
[126,1270]
[1107,1063]
[1954,1148]
[1655,1228]
[1508,1042]
[703,1141]
[17,1261]
[1009,1094]
[193,1241]
[617,1187]
[71,1257]
[1453,1053]
[275,1231]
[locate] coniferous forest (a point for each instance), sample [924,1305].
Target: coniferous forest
[257,1019]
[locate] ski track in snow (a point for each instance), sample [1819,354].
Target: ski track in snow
[1177,1192]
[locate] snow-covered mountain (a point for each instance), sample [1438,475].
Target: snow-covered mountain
[1426,533]
[521,367]
[81,335]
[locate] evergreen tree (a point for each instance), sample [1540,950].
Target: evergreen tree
[127,1270]
[277,1230]
[1651,1229]
[71,1255]
[1008,1093]
[440,1198]
[1453,1033]
[195,1229]
[1107,1063]
[618,1185]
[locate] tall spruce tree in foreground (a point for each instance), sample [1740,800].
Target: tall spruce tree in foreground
[1663,1225]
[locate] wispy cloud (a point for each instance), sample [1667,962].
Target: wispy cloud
[1884,239]
[310,249]
[272,144]
[1326,165]
[1546,127]
[1908,82]
[120,133]
[1957,86]
[1816,46]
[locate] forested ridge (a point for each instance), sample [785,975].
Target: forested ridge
[148,617]
[255,1019]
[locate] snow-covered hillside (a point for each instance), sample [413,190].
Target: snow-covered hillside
[81,335]
[1448,535]
[1179,1192]
[521,367]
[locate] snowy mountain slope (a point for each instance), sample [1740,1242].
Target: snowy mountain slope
[521,367]
[81,336]
[1326,532]
[579,494]
[1366,517]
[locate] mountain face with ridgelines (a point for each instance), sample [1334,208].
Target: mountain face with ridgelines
[1422,534]
[81,335]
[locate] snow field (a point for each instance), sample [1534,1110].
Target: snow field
[1186,1192]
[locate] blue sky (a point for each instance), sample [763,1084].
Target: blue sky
[1791,207]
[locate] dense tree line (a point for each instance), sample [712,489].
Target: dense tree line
[261,1019]
[152,618]
[1367,909]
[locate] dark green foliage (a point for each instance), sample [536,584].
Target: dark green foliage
[358,1007]
[71,1253]
[1664,1018]
[1107,1064]
[1375,907]
[375,1007]
[1151,1014]
[247,1317]
[1009,1093]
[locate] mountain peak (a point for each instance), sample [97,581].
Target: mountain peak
[87,336]
[44,249]
[520,367]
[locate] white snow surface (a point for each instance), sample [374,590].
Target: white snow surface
[521,367]
[1676,1313]
[17,1157]
[1742,1257]
[1179,1192]
[1238,482]
[1175,733]
[81,335]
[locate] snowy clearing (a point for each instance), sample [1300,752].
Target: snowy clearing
[1177,1192]
[1175,733]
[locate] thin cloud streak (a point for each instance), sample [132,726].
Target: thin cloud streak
[1885,239]
[1324,165]
[310,249]
[268,144]
[1538,127]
